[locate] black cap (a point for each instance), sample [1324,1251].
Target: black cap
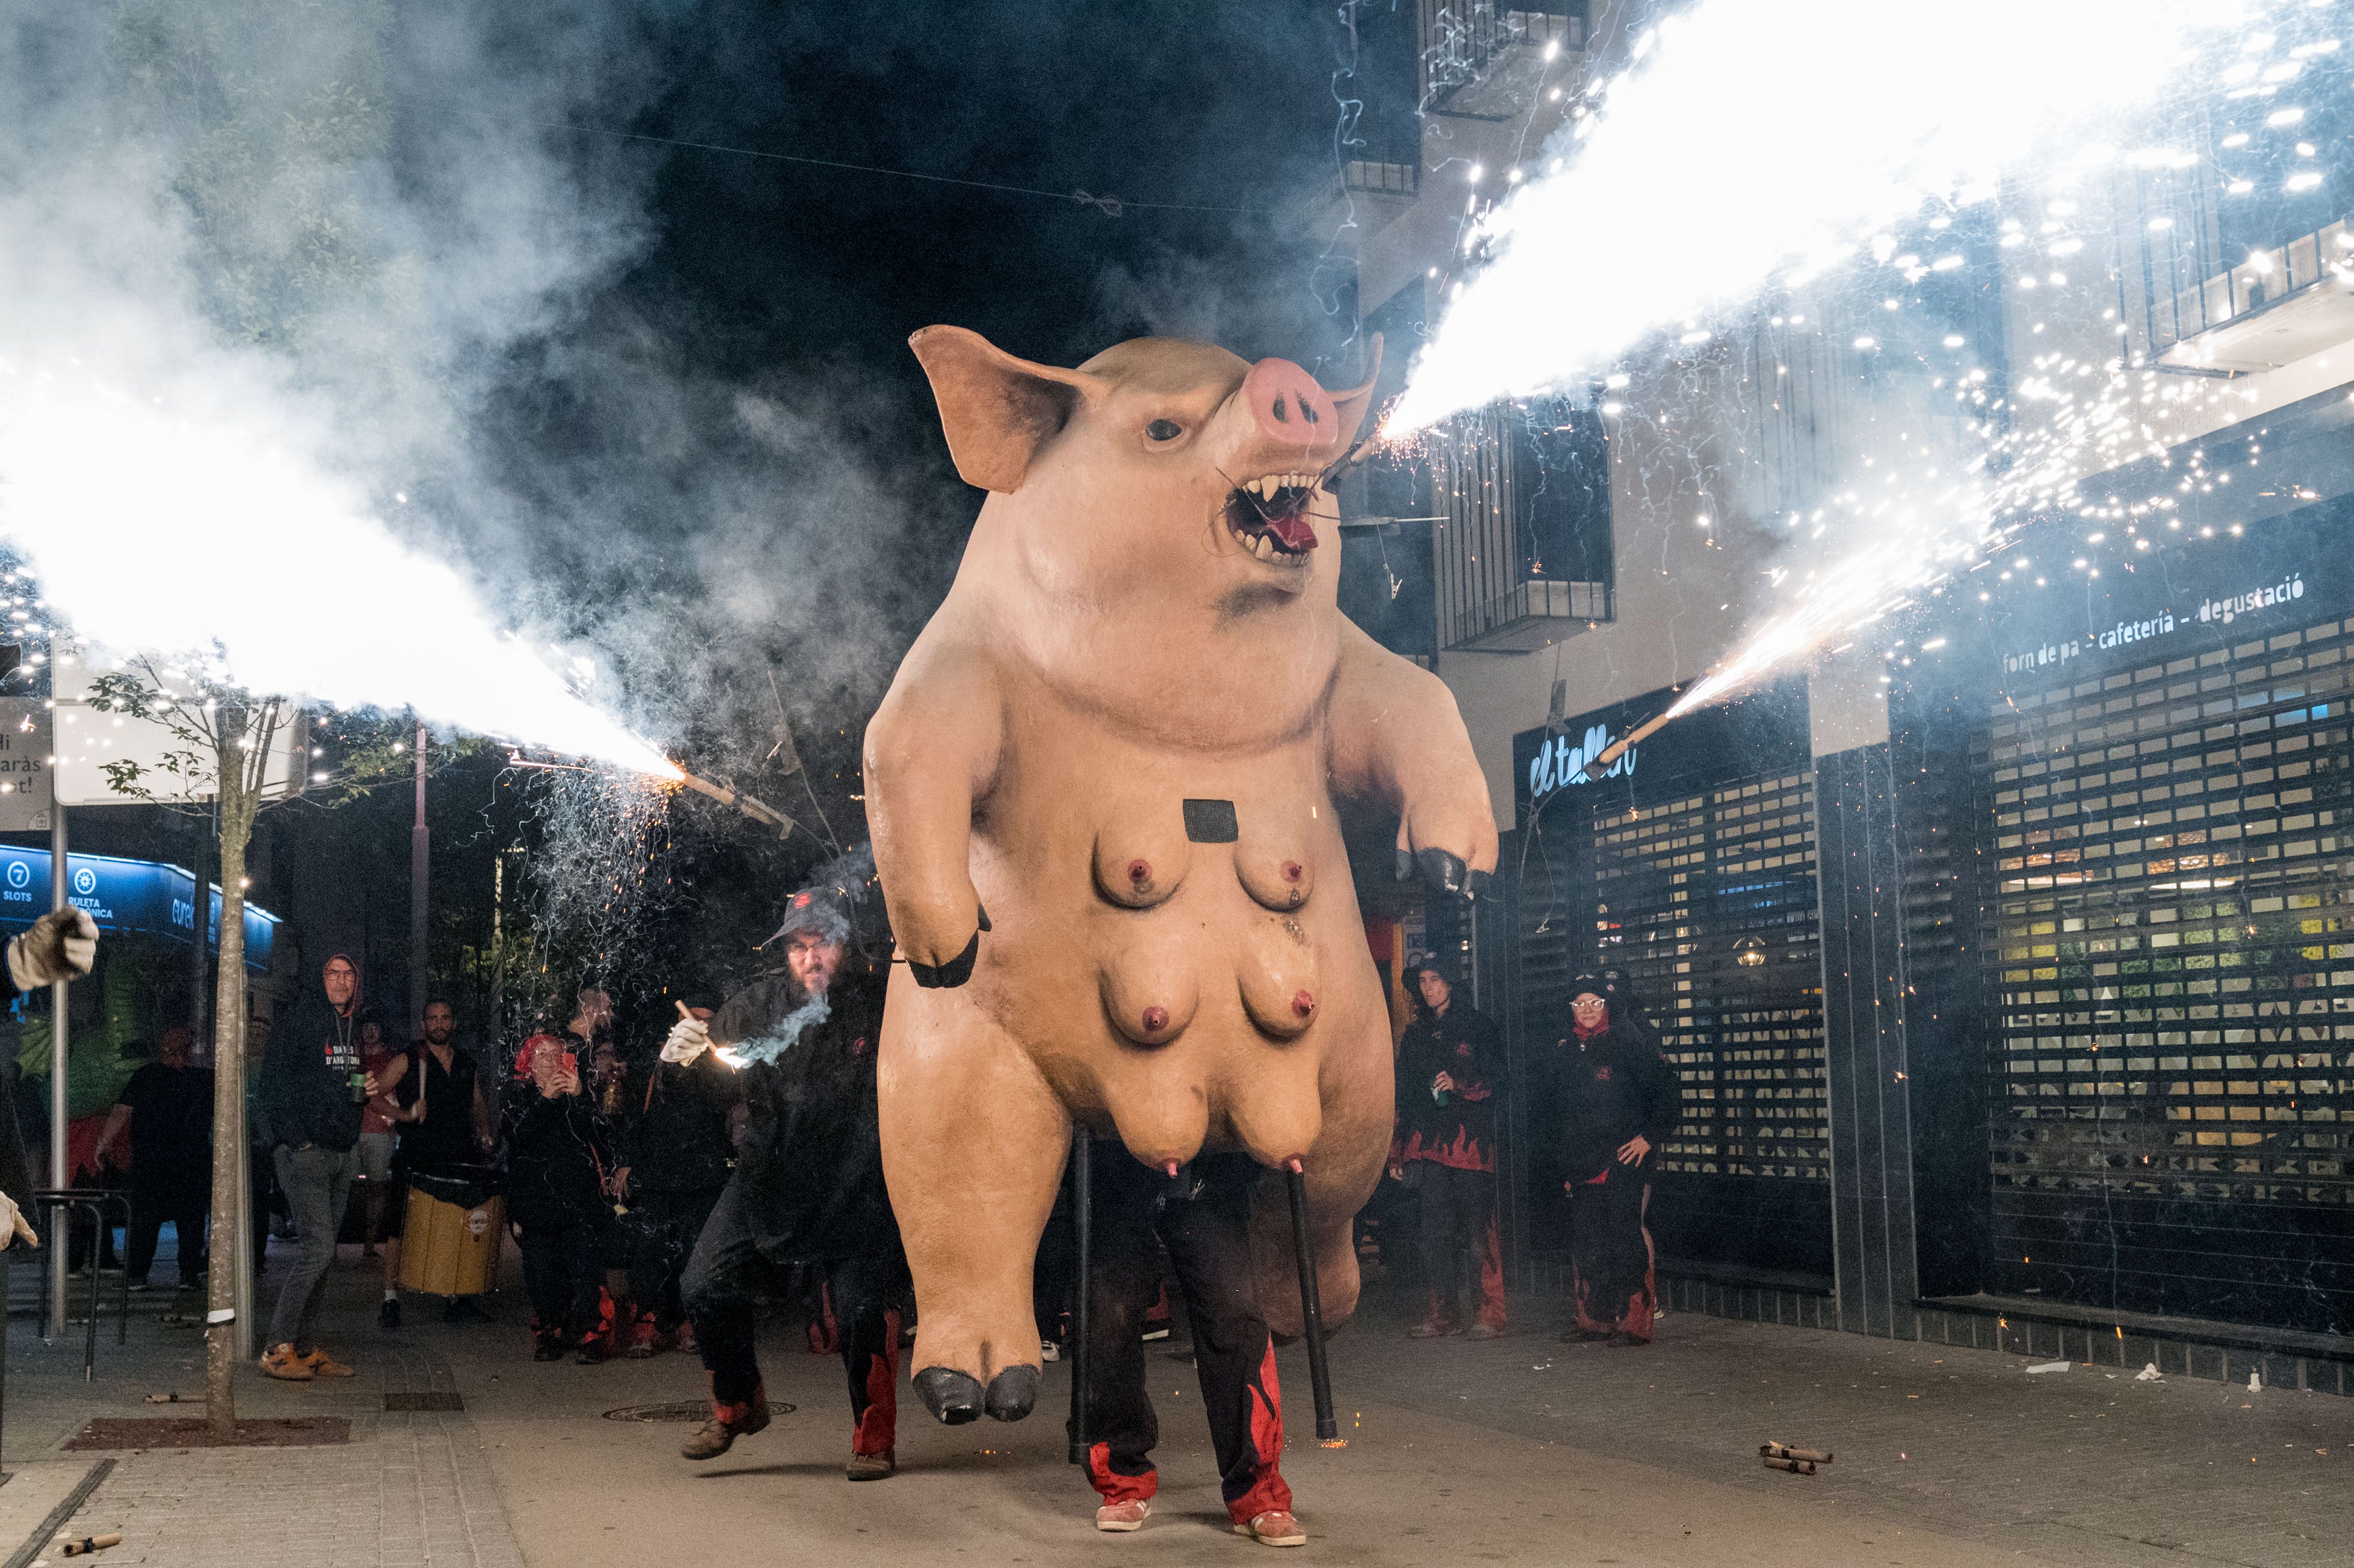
[1437,964]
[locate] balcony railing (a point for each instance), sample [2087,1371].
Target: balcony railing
[1490,490]
[1462,39]
[2299,287]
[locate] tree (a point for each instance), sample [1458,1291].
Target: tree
[224,737]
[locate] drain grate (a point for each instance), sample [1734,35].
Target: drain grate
[681,1410]
[424,1399]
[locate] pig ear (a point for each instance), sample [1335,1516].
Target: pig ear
[996,410]
[1352,404]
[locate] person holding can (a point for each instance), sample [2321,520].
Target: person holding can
[1450,1068]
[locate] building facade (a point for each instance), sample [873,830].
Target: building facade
[2000,950]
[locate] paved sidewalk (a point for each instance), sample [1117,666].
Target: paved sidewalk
[1519,1450]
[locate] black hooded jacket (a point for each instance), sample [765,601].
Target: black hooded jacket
[1598,1094]
[559,1154]
[678,1140]
[812,1158]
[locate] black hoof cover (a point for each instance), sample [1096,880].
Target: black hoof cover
[1011,1392]
[950,1395]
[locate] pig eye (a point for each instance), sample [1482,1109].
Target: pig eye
[1164,429]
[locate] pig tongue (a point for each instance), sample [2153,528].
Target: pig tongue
[1294,529]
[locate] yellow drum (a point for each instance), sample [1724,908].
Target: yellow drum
[450,1249]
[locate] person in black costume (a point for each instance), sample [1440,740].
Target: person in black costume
[1203,1217]
[559,1155]
[808,1185]
[675,1159]
[168,1107]
[1612,1100]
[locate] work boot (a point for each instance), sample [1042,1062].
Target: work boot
[872,1466]
[546,1346]
[280,1362]
[1274,1528]
[1122,1517]
[727,1422]
[321,1364]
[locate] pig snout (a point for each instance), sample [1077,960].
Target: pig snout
[1287,409]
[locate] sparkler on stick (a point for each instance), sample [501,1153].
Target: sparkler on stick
[757,809]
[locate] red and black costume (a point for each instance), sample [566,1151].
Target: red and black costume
[1203,1218]
[1446,1143]
[807,1189]
[559,1159]
[679,1155]
[1610,1085]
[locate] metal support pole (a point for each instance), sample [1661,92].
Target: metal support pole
[59,1177]
[1083,1230]
[421,845]
[1311,1308]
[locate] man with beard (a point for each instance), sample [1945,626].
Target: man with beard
[808,1186]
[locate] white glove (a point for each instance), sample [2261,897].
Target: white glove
[688,1038]
[61,946]
[13,1225]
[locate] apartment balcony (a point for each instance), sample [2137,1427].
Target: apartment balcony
[1527,617]
[1366,196]
[2275,307]
[1487,61]
[1521,544]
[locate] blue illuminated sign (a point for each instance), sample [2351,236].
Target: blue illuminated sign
[140,896]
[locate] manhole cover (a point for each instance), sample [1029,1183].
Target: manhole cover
[424,1399]
[681,1410]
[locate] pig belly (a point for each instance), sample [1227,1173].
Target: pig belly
[1190,976]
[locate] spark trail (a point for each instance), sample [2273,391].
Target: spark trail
[1755,142]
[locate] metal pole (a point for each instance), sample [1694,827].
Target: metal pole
[200,927]
[1083,1229]
[420,844]
[61,1239]
[1312,1308]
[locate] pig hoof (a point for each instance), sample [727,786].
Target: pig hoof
[950,1395]
[1442,870]
[1011,1392]
[955,972]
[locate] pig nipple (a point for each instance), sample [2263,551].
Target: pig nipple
[1156,1019]
[1291,870]
[1139,871]
[1169,1168]
[1302,1004]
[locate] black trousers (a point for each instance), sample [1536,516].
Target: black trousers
[1462,1255]
[724,1277]
[662,1227]
[184,1202]
[1610,1264]
[563,1268]
[1203,1219]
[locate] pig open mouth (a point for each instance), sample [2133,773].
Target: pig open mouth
[1268,516]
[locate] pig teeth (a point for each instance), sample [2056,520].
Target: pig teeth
[1263,548]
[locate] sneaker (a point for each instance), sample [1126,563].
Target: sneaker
[727,1422]
[1125,1516]
[546,1347]
[388,1314]
[1274,1528]
[591,1351]
[1049,1351]
[1432,1330]
[872,1466]
[683,1341]
[1150,1334]
[324,1365]
[1483,1331]
[139,1286]
[280,1362]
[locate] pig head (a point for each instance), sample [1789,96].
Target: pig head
[1102,797]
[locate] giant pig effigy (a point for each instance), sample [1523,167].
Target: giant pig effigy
[1102,795]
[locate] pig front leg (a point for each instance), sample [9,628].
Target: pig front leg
[973,1145]
[1397,739]
[931,751]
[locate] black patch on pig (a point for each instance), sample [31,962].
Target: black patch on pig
[1211,822]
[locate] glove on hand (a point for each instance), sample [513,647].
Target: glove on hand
[687,1039]
[61,946]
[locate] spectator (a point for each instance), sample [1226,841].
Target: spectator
[556,1161]
[435,1098]
[375,1137]
[168,1107]
[1450,1067]
[313,1089]
[1614,1100]
[675,1169]
[590,1037]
